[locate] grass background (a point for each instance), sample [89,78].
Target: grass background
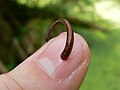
[103,73]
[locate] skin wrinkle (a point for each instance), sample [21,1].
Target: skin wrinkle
[5,85]
[10,77]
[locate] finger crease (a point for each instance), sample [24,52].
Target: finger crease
[14,81]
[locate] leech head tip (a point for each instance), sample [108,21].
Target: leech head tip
[63,57]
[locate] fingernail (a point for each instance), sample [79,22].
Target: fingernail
[51,62]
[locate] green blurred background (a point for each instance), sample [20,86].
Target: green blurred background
[23,24]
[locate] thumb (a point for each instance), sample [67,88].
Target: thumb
[45,70]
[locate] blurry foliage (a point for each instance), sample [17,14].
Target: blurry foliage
[23,24]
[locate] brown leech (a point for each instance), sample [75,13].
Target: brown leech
[70,37]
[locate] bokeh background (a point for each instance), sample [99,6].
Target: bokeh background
[23,24]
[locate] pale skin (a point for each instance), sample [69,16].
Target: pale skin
[45,70]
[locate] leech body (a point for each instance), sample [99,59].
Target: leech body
[70,37]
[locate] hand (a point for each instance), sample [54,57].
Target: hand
[45,70]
